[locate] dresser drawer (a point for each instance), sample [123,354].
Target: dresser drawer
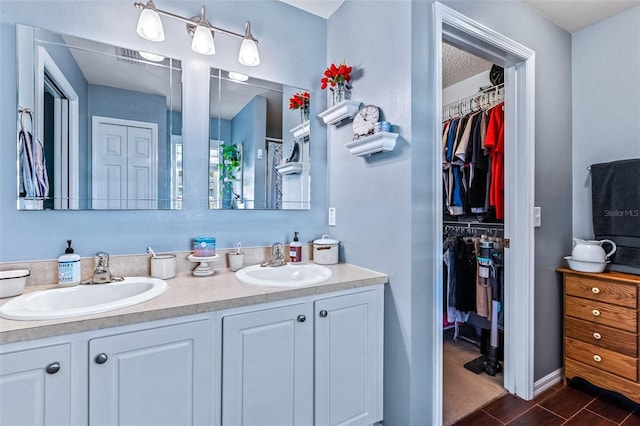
[600,335]
[602,291]
[605,359]
[602,313]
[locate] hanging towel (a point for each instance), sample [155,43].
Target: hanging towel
[33,166]
[615,195]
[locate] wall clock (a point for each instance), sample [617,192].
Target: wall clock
[364,121]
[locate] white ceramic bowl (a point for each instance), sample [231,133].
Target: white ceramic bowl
[12,282]
[583,266]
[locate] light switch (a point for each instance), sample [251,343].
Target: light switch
[332,216]
[537,219]
[259,154]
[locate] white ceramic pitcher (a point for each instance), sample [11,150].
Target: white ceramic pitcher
[591,250]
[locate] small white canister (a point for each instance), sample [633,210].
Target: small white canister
[325,250]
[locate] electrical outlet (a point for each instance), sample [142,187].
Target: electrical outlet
[537,217]
[332,216]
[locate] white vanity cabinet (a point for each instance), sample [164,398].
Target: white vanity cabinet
[35,386]
[267,361]
[273,355]
[159,376]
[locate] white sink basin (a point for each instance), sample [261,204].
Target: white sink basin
[82,299]
[289,275]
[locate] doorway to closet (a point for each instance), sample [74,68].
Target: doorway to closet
[473,229]
[518,62]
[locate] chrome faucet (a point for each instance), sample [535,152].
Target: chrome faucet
[277,256]
[101,272]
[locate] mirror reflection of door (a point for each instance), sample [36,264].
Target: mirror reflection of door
[124,166]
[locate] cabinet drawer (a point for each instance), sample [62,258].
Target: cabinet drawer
[605,359]
[600,335]
[602,291]
[602,313]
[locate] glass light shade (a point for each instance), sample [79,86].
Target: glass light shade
[249,55]
[151,56]
[202,42]
[150,25]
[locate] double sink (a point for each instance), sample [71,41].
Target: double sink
[96,298]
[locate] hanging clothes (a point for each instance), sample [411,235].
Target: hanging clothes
[473,163]
[494,143]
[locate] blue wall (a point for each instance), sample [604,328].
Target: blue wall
[248,128]
[383,216]
[298,61]
[606,103]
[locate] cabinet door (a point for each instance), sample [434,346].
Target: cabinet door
[267,363]
[35,386]
[348,356]
[160,376]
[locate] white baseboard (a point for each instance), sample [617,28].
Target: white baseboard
[547,381]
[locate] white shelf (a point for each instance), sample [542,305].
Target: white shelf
[340,111]
[378,142]
[301,130]
[289,168]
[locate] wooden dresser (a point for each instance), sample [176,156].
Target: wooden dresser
[601,330]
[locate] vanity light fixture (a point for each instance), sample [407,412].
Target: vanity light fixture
[236,76]
[201,31]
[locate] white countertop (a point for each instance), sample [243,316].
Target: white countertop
[187,295]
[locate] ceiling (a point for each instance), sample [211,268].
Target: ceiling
[572,15]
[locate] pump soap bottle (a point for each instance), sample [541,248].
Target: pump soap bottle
[69,267]
[295,250]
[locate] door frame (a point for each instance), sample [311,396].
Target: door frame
[519,63]
[67,133]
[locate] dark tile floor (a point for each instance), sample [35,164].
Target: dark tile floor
[575,404]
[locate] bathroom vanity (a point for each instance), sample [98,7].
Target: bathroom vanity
[208,351]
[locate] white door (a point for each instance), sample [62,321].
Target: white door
[267,363]
[348,355]
[157,377]
[124,168]
[35,387]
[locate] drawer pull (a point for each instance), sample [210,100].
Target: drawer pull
[597,358]
[595,313]
[595,290]
[597,336]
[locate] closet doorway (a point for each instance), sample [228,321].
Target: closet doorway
[473,244]
[518,62]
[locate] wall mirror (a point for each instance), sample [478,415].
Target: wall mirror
[99,126]
[259,144]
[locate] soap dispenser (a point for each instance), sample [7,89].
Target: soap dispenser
[295,250]
[69,267]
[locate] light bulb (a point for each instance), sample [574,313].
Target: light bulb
[203,41]
[249,55]
[150,25]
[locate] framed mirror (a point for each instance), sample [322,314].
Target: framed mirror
[99,126]
[259,144]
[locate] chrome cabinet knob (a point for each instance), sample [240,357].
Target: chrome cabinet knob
[595,290]
[597,358]
[597,336]
[302,318]
[323,313]
[102,358]
[595,313]
[53,368]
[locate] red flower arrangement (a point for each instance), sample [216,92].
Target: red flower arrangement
[300,100]
[335,75]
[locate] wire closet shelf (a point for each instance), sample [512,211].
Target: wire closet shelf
[482,100]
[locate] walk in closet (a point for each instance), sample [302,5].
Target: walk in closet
[473,231]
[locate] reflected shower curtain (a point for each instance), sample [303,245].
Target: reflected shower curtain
[274,178]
